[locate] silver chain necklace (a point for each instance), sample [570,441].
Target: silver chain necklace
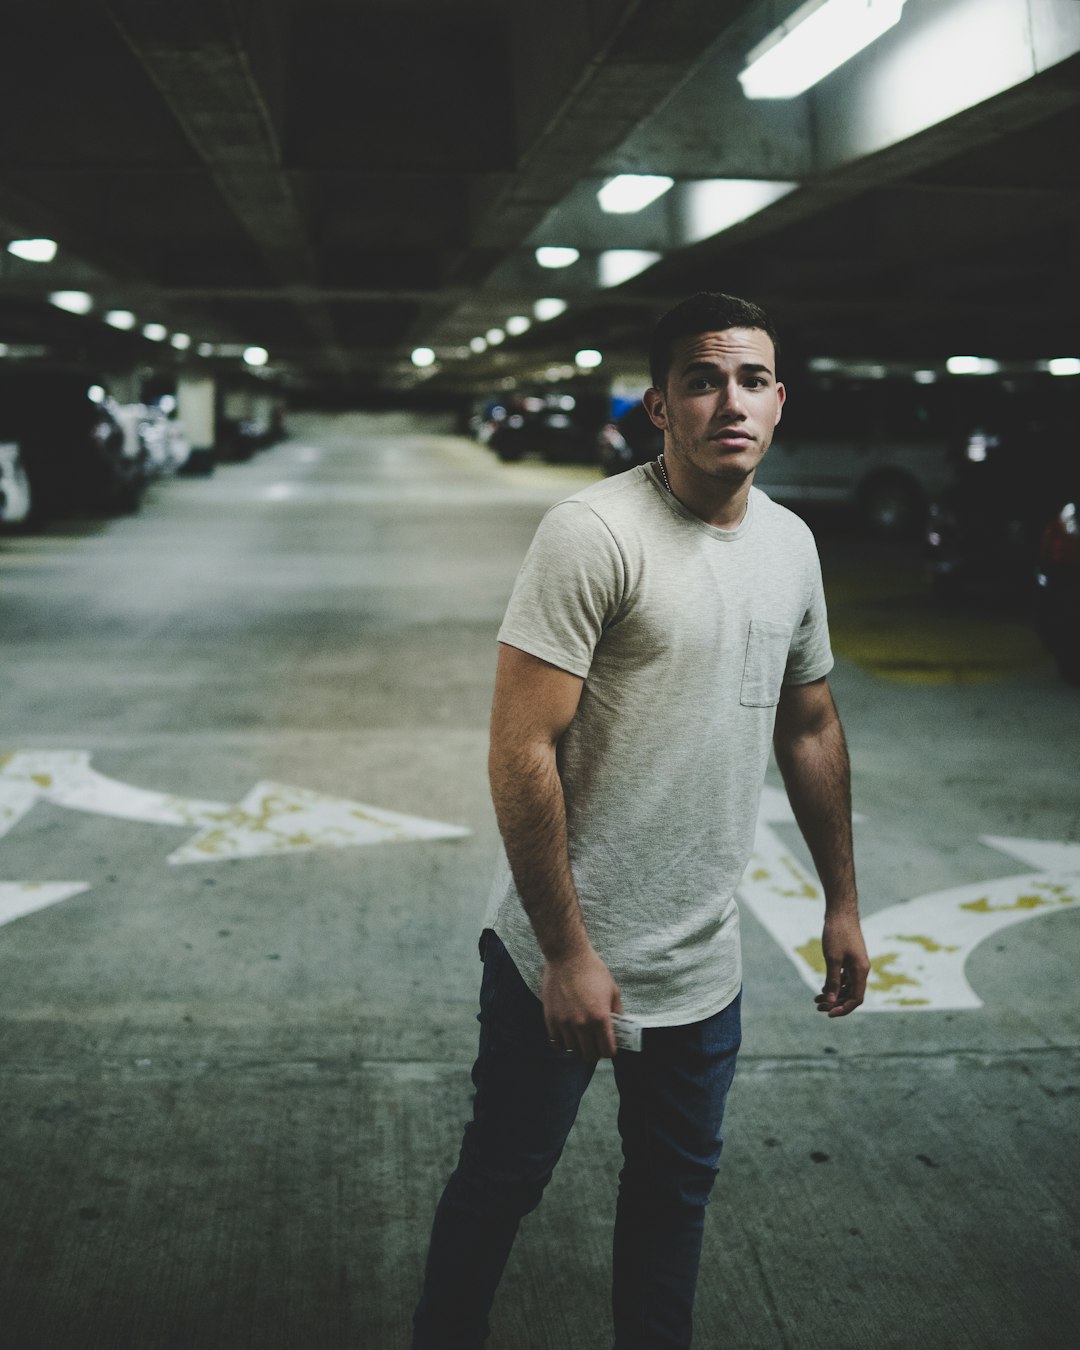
[663,472]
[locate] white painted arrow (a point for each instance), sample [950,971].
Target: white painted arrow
[24,897]
[918,948]
[272,818]
[66,778]
[275,818]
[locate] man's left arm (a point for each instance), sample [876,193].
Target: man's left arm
[812,755]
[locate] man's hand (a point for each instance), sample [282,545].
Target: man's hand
[846,965]
[579,996]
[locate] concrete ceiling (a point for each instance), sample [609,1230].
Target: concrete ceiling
[340,181]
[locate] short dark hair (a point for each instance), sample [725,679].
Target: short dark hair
[705,312]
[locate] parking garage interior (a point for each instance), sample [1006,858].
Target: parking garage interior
[308,313]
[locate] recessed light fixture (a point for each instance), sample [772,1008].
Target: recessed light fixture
[972,365]
[617,265]
[925,377]
[588,359]
[423,357]
[33,250]
[1064,365]
[517,324]
[551,256]
[156,332]
[549,308]
[820,36]
[120,318]
[478,345]
[495,336]
[180,341]
[256,356]
[75,302]
[629,192]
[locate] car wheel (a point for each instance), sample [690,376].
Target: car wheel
[892,506]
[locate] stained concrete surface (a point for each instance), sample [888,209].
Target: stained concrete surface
[231,1091]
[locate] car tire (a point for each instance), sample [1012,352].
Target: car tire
[891,506]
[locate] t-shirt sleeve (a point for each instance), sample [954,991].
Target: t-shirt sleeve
[568,590]
[810,656]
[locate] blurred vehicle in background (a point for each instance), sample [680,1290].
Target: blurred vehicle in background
[559,428]
[14,487]
[1012,474]
[877,445]
[76,457]
[629,440]
[1057,591]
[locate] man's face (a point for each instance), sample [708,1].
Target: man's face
[720,404]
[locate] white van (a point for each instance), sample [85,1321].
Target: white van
[880,446]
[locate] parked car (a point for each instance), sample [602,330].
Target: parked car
[15,496]
[881,448]
[1013,472]
[555,427]
[629,440]
[1057,591]
[74,452]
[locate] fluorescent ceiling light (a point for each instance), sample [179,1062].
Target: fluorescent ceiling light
[517,324]
[549,308]
[156,332]
[256,356]
[75,302]
[715,204]
[550,256]
[422,357]
[630,192]
[1064,365]
[972,365]
[925,377]
[180,341]
[120,318]
[820,36]
[33,250]
[588,359]
[495,336]
[620,264]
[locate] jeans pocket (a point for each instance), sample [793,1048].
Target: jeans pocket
[767,646]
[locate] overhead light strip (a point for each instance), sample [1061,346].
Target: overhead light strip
[818,38]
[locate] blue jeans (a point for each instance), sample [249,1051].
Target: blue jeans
[671,1104]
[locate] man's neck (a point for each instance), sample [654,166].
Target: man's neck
[722,505]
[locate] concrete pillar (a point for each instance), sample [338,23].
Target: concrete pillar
[195,404]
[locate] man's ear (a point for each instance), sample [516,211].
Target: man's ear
[653,399]
[781,395]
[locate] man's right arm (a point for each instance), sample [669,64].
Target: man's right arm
[534,704]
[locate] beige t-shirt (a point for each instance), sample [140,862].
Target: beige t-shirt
[684,634]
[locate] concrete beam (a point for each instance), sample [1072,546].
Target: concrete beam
[219,69]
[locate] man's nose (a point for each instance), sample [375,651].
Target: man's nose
[731,402]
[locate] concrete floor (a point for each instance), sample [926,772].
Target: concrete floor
[232,1089]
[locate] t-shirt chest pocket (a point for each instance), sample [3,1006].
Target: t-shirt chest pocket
[767,647]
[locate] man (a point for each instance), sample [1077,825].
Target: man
[666,625]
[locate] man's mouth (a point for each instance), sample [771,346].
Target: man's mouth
[731,437]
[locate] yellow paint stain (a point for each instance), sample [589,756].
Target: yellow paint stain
[803,890]
[760,874]
[909,1002]
[882,979]
[43,780]
[812,954]
[927,944]
[6,758]
[983,906]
